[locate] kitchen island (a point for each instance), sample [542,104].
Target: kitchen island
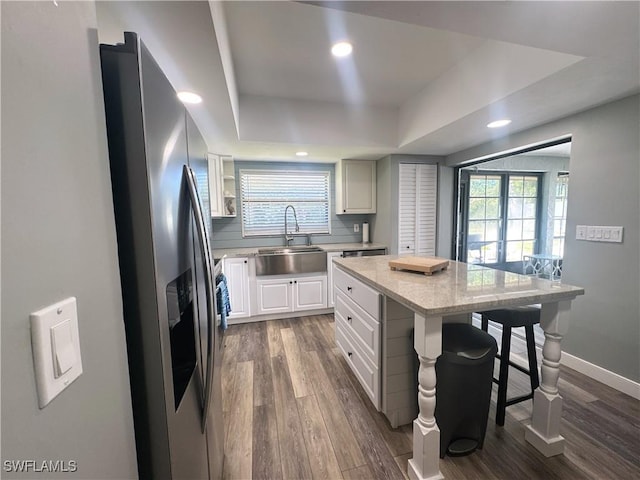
[463,289]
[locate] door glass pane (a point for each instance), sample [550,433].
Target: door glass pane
[490,252]
[516,186]
[514,230]
[522,216]
[477,186]
[530,187]
[528,229]
[515,208]
[476,208]
[504,229]
[492,208]
[527,247]
[529,210]
[476,228]
[492,230]
[514,251]
[484,223]
[493,186]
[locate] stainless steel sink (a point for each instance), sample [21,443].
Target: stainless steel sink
[290,260]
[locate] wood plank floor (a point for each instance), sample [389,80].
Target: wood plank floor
[293,410]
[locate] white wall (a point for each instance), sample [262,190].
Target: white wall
[604,190]
[59,240]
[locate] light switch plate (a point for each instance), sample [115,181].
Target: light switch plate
[56,348]
[595,233]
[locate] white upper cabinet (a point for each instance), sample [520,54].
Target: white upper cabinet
[355,186]
[222,185]
[417,209]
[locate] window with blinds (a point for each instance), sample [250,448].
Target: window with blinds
[265,194]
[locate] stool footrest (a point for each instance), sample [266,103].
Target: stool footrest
[519,399]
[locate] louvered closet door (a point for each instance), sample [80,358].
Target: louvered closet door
[417,209]
[407,209]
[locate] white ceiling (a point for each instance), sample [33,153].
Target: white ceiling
[424,77]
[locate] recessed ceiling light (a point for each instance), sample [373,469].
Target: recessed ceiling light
[189,97]
[342,49]
[499,123]
[302,154]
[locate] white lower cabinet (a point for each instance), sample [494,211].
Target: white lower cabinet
[274,295]
[236,269]
[283,294]
[361,365]
[310,293]
[357,318]
[330,293]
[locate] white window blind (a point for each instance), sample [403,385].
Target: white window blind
[266,193]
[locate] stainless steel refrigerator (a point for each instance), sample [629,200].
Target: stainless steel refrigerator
[159,168]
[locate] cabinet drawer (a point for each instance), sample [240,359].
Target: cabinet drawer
[365,296]
[368,374]
[362,327]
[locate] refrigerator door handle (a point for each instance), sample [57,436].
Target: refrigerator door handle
[202,236]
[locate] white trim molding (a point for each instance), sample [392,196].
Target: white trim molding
[602,375]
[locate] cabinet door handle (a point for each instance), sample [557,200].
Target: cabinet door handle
[290,282]
[246,261]
[348,289]
[349,353]
[295,281]
[349,319]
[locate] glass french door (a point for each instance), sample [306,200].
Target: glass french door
[499,217]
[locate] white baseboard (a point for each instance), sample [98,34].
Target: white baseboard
[278,316]
[602,375]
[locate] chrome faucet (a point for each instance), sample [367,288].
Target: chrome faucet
[288,238]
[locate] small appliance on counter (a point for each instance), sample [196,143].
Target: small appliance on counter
[365,232]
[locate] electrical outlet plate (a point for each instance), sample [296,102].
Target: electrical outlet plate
[356,227]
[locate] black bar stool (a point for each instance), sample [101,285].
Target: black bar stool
[510,318]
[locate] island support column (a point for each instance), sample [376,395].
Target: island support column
[544,431]
[425,463]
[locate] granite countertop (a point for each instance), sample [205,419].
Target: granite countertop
[462,288]
[327,247]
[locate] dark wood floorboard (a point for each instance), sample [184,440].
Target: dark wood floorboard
[331,430]
[266,451]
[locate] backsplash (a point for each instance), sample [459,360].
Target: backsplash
[227,232]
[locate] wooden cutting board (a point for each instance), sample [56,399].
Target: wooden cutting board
[426,265]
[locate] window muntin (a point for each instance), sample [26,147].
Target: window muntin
[502,216]
[560,213]
[485,211]
[265,195]
[521,216]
